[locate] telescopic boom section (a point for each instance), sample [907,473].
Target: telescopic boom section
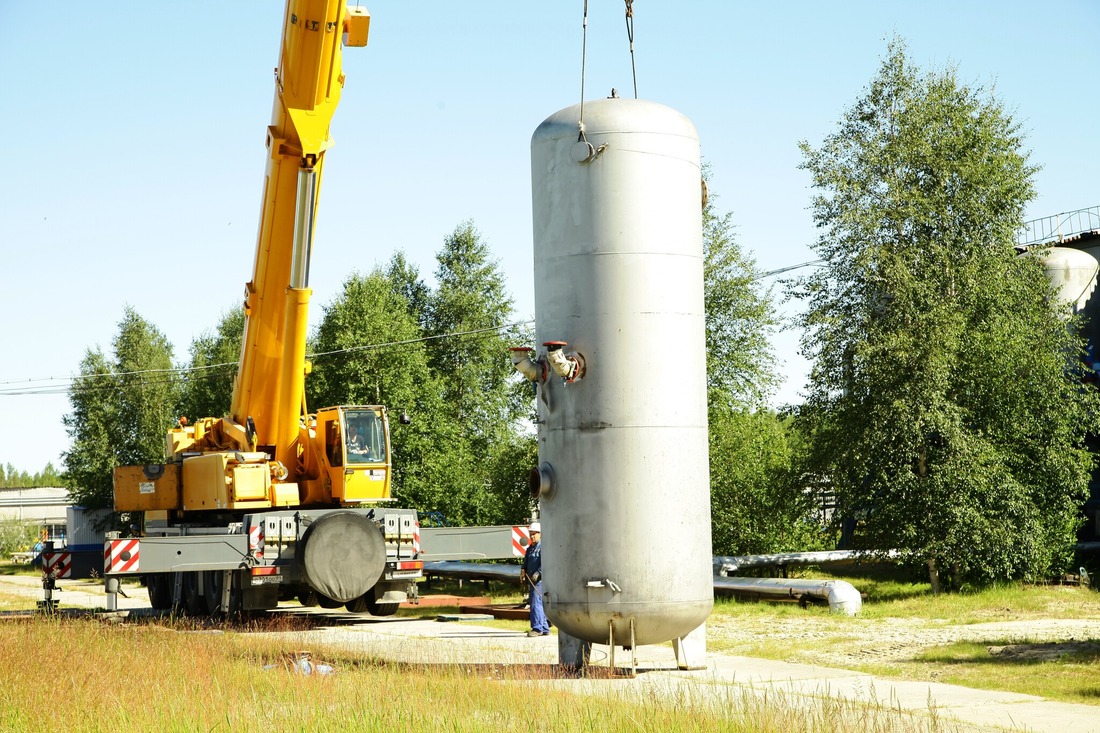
[271,381]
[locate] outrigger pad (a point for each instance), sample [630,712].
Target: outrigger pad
[343,555]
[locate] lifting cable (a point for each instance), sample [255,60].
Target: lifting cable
[584,52]
[584,57]
[630,38]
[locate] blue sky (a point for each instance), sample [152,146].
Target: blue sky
[135,139]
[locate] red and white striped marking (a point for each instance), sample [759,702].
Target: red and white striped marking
[57,564]
[521,538]
[121,556]
[256,540]
[416,538]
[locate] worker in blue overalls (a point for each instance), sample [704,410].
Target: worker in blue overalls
[531,575]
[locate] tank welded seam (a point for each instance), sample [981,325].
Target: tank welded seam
[655,154]
[630,253]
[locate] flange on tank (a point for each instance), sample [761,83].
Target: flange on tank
[622,378]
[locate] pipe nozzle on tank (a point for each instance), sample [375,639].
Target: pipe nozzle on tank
[570,367]
[540,480]
[534,371]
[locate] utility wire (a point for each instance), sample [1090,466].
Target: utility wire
[422,339]
[61,385]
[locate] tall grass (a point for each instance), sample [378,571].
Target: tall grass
[84,675]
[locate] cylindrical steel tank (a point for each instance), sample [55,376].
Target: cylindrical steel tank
[1072,273]
[624,474]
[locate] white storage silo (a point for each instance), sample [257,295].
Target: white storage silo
[618,258]
[1072,273]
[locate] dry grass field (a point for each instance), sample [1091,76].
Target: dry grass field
[85,674]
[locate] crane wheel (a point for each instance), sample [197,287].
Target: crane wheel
[160,590]
[359,605]
[325,602]
[193,601]
[379,609]
[212,587]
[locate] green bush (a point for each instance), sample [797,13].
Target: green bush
[16,536]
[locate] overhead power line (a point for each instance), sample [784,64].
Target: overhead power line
[61,385]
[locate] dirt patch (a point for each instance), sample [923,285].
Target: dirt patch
[1046,652]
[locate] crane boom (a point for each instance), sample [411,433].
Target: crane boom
[270,383]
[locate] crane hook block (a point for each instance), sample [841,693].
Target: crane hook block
[356,26]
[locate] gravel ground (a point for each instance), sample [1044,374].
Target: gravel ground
[852,642]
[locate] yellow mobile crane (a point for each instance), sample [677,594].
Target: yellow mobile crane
[271,502]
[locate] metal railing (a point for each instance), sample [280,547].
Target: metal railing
[1059,227]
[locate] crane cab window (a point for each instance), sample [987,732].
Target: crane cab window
[365,438]
[333,443]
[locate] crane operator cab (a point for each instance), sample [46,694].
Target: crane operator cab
[357,446]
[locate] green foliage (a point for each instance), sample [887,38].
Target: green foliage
[509,488]
[49,476]
[16,535]
[13,478]
[363,353]
[215,358]
[469,309]
[467,318]
[389,339]
[405,278]
[739,317]
[121,410]
[91,455]
[148,390]
[757,506]
[942,406]
[387,364]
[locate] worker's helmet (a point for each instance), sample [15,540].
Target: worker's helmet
[535,527]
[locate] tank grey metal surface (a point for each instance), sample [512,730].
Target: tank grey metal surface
[623,476]
[1072,273]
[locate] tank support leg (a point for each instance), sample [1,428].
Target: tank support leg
[573,653]
[611,645]
[691,650]
[633,651]
[110,586]
[631,645]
